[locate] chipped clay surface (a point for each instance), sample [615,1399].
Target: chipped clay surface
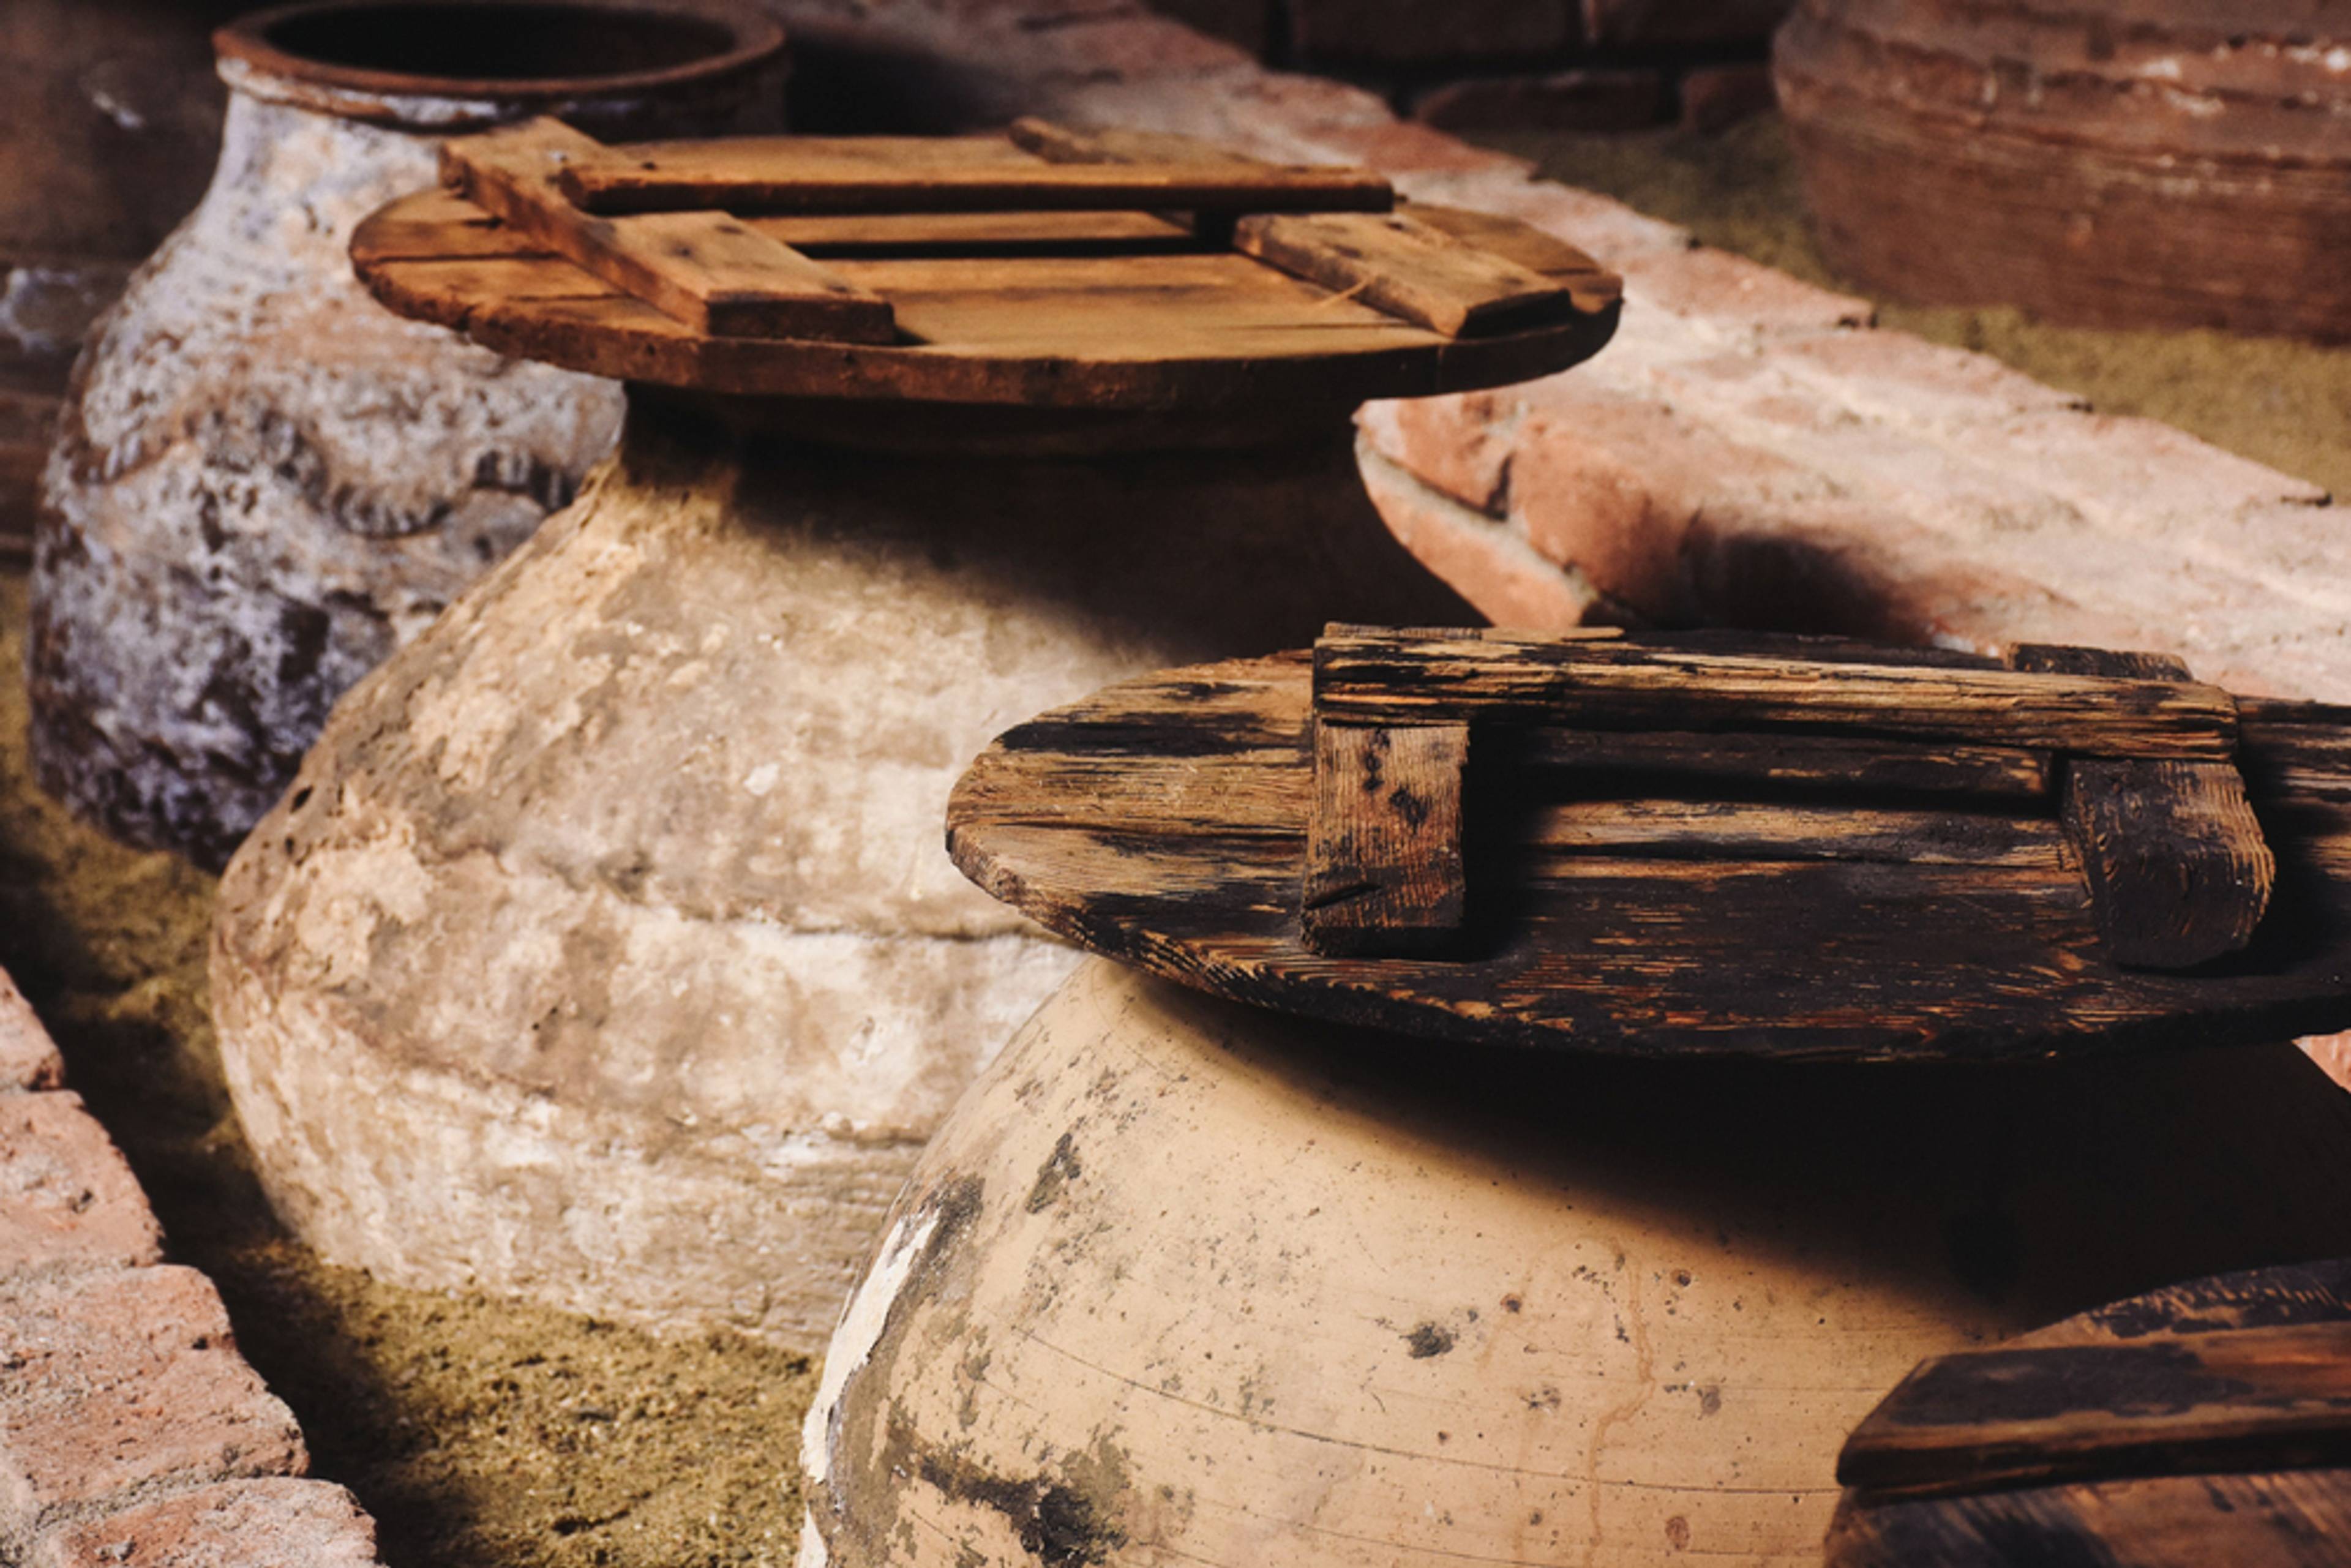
[606,950]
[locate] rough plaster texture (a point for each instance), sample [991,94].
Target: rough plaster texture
[264,482]
[1182,1280]
[605,950]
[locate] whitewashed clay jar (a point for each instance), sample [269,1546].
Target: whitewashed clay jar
[263,483]
[605,950]
[1181,1281]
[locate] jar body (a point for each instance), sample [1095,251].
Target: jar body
[263,482]
[606,950]
[1182,1280]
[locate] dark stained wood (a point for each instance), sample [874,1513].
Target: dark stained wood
[1164,821]
[748,175]
[1380,678]
[1383,843]
[1828,760]
[705,268]
[2177,870]
[2239,1399]
[1009,321]
[2116,1511]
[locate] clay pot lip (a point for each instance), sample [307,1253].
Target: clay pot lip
[251,61]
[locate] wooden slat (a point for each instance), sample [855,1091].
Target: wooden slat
[2178,870]
[1395,263]
[749,176]
[1593,285]
[1383,869]
[2237,1399]
[1385,680]
[704,268]
[1821,760]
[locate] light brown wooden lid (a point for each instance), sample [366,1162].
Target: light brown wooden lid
[1043,269]
[1694,845]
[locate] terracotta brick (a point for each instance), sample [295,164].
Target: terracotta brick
[67,1198]
[1588,100]
[119,1379]
[1908,381]
[2333,1055]
[28,1057]
[1737,294]
[1459,446]
[1715,98]
[1245,23]
[1682,21]
[1478,557]
[1407,30]
[273,1523]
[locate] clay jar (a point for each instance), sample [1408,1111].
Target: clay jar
[263,483]
[2116,163]
[605,950]
[1180,1281]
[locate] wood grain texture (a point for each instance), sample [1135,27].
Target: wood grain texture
[752,174]
[704,268]
[2178,870]
[2171,1404]
[1384,843]
[1377,678]
[1163,821]
[1395,263]
[1089,327]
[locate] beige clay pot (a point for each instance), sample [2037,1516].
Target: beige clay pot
[605,950]
[1185,1282]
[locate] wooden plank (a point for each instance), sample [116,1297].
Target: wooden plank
[1373,679]
[705,268]
[1415,270]
[1824,761]
[749,175]
[1384,868]
[979,234]
[1593,285]
[2177,866]
[2290,1519]
[2237,1399]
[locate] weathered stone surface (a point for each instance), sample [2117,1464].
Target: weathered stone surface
[123,1379]
[1185,1280]
[272,1523]
[1591,99]
[28,1057]
[67,1198]
[605,950]
[265,482]
[1515,585]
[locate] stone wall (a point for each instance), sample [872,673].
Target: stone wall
[130,1430]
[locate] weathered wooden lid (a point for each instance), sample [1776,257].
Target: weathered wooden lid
[1699,844]
[2208,1423]
[1042,268]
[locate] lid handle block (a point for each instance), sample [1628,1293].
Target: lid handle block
[1383,859]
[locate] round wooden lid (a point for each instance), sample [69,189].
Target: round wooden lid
[1045,270]
[1702,845]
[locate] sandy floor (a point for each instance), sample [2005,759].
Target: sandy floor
[478,1432]
[488,1434]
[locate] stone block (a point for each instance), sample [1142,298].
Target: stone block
[270,1523]
[67,1198]
[1400,31]
[121,1379]
[1736,295]
[28,1057]
[1715,98]
[1460,446]
[1591,99]
[1480,558]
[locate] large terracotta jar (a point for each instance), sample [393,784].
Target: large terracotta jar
[1185,1282]
[263,483]
[2116,163]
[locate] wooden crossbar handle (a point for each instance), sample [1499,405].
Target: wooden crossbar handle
[1384,679]
[2232,1400]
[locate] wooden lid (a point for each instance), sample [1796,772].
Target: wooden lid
[1694,845]
[2205,1423]
[1045,269]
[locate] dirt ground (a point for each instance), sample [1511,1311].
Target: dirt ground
[485,1435]
[481,1434]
